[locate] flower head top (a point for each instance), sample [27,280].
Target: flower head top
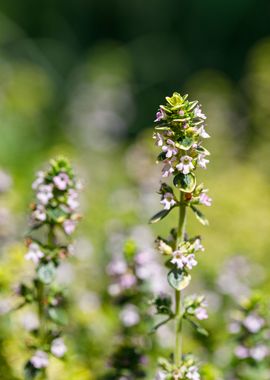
[188,370]
[56,200]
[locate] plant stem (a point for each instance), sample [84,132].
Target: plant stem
[178,307]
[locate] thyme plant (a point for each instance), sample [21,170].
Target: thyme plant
[179,134]
[53,220]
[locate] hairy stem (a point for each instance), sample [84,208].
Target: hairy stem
[178,307]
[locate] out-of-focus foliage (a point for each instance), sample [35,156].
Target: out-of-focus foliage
[82,79]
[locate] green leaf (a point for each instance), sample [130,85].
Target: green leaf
[199,329]
[178,279]
[185,144]
[58,315]
[200,216]
[185,182]
[201,149]
[192,105]
[30,372]
[160,215]
[46,273]
[161,156]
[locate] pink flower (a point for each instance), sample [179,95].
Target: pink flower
[168,201]
[40,360]
[205,200]
[185,165]
[69,226]
[61,181]
[34,253]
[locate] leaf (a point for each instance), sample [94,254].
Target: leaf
[161,156]
[160,215]
[46,273]
[201,149]
[30,372]
[192,105]
[185,182]
[185,144]
[178,279]
[199,329]
[58,315]
[200,216]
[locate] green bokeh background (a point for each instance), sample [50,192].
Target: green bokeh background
[84,79]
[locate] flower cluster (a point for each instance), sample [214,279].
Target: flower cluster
[187,371]
[250,331]
[179,134]
[180,131]
[129,289]
[53,220]
[56,200]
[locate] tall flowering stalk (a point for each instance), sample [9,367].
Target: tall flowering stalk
[129,291]
[250,333]
[53,220]
[179,133]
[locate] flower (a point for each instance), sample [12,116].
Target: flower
[61,181]
[202,161]
[44,194]
[127,280]
[170,149]
[197,245]
[201,313]
[34,253]
[72,200]
[159,139]
[193,373]
[201,132]
[39,213]
[39,180]
[259,352]
[185,165]
[205,200]
[168,201]
[40,359]
[117,267]
[129,315]
[198,113]
[253,323]
[181,260]
[69,226]
[241,352]
[58,348]
[167,168]
[160,115]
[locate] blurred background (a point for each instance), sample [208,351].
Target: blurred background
[84,79]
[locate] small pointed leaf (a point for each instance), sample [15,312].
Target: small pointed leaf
[200,216]
[158,216]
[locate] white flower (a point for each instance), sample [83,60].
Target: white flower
[241,352]
[193,373]
[190,261]
[197,245]
[198,113]
[44,194]
[72,200]
[205,200]
[168,168]
[58,348]
[259,352]
[34,253]
[201,313]
[170,149]
[168,201]
[39,180]
[39,213]
[202,161]
[159,139]
[185,165]
[61,181]
[69,226]
[253,323]
[40,360]
[117,267]
[178,259]
[129,315]
[160,375]
[202,132]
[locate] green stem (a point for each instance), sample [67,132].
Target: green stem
[178,306]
